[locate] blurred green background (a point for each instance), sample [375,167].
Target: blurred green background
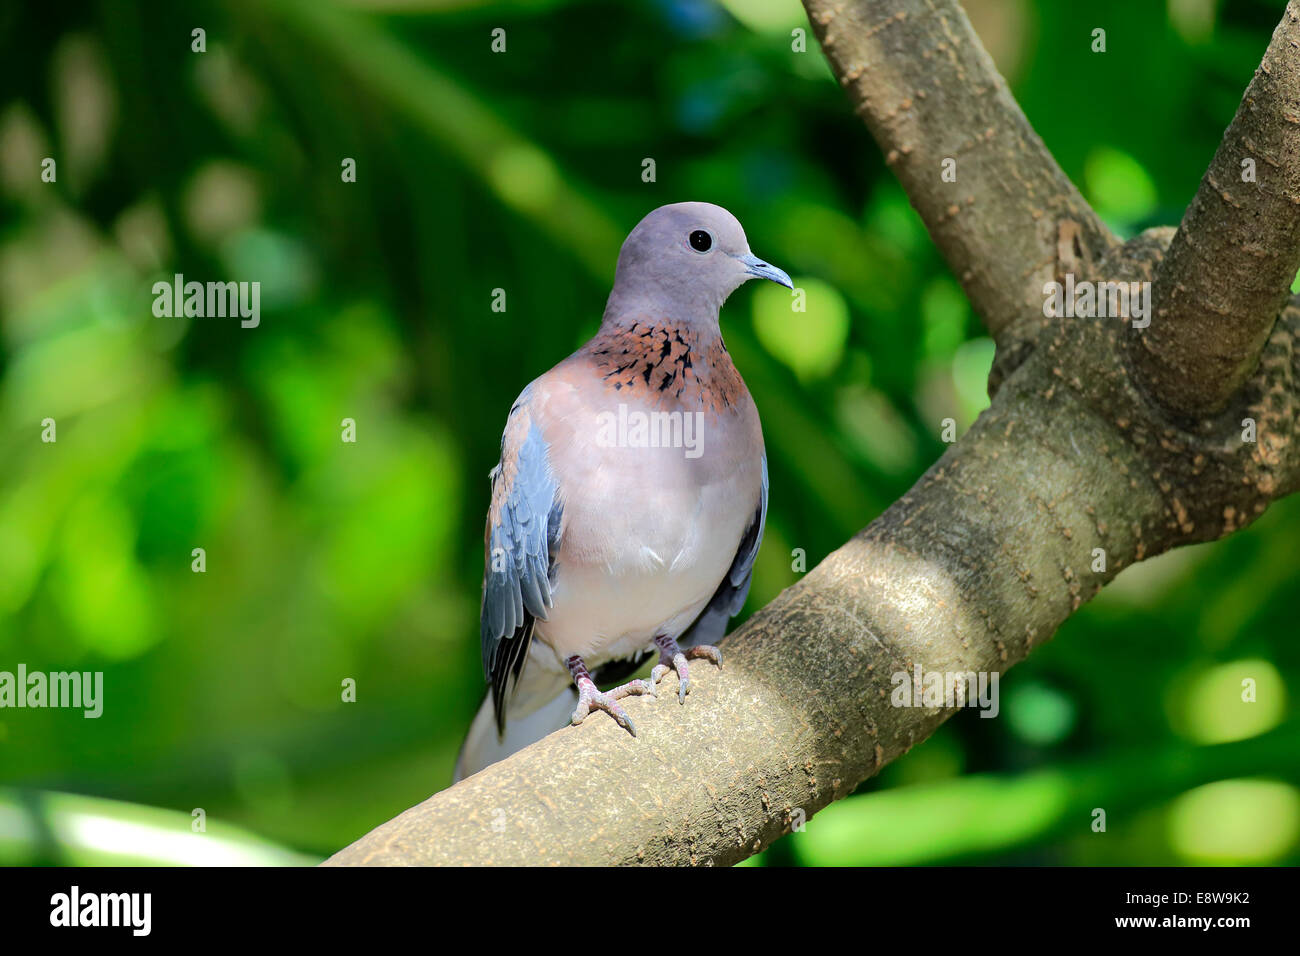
[522,170]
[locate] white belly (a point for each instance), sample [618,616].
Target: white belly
[645,554]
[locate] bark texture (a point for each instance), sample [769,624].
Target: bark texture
[995,545]
[1232,261]
[921,80]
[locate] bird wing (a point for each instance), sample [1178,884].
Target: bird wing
[522,533]
[730,596]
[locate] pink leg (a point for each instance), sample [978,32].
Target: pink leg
[590,697]
[672,657]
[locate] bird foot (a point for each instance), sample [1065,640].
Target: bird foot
[673,658]
[591,697]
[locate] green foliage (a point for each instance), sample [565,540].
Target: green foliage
[328,560]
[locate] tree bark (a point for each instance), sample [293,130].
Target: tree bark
[1071,475]
[921,80]
[1232,261]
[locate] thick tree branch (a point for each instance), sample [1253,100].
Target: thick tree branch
[920,78]
[1237,250]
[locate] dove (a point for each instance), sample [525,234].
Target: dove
[629,503]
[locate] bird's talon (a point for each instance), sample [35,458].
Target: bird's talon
[605,702]
[707,651]
[623,720]
[590,697]
[672,657]
[683,677]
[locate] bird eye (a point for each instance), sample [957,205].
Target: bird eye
[701,241]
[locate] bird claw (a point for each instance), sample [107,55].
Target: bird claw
[590,698]
[672,657]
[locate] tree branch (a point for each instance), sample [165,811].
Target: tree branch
[920,78]
[1237,250]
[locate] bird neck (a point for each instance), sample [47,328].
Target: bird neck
[645,292]
[665,363]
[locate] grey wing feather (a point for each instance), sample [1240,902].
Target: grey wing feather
[523,527]
[730,596]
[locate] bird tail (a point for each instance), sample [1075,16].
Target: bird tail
[541,705]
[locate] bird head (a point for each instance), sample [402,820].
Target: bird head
[686,259]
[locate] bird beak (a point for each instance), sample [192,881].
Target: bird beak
[757,267]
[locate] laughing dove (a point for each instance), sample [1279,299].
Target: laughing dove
[629,502]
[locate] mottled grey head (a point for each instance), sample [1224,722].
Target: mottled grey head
[682,261]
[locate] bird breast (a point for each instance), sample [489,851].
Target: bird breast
[656,497]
